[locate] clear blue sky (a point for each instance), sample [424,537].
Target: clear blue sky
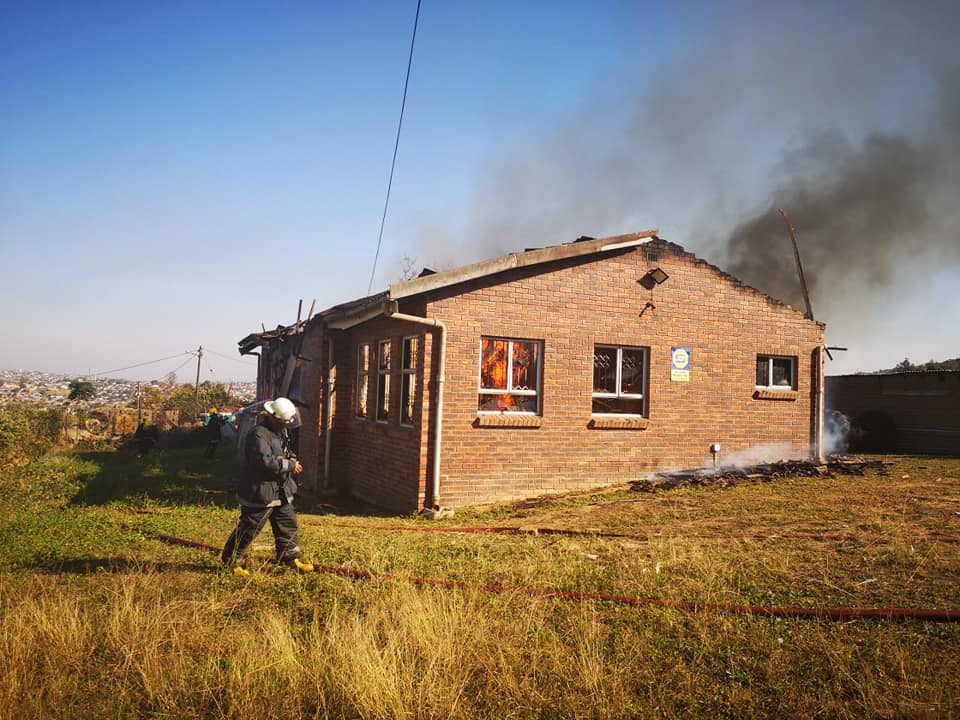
[172,174]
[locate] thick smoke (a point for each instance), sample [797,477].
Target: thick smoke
[867,215]
[847,115]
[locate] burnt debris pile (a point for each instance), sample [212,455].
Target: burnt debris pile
[763,472]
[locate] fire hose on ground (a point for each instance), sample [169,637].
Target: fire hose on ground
[841,613]
[530,530]
[524,530]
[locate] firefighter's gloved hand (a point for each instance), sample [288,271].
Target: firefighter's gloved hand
[291,465]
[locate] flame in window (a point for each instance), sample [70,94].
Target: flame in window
[524,365]
[493,370]
[493,365]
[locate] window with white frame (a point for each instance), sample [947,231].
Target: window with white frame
[363,379]
[619,380]
[408,378]
[776,373]
[383,380]
[509,375]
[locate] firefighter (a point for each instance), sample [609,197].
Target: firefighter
[214,425]
[266,489]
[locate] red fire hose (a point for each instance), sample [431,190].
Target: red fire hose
[510,530]
[506,530]
[767,611]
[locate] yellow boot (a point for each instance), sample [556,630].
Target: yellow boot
[300,565]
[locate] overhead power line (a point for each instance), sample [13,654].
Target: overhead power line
[227,357]
[181,365]
[396,145]
[131,367]
[191,353]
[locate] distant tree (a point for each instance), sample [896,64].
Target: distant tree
[190,401]
[907,366]
[952,364]
[904,365]
[408,268]
[149,397]
[213,394]
[82,390]
[181,398]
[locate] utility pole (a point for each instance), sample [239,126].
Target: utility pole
[139,413]
[196,387]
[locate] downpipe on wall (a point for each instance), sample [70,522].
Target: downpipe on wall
[391,312]
[326,416]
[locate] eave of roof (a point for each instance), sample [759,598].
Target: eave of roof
[354,312]
[517,260]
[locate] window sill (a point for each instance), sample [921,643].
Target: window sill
[507,420]
[763,394]
[599,422]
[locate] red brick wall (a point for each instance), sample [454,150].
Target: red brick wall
[574,306]
[570,305]
[384,463]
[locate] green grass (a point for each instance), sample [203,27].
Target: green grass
[102,619]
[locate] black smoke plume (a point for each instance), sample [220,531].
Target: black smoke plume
[846,115]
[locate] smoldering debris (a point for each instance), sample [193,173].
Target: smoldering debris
[763,472]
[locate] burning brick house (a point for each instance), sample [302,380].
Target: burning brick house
[548,370]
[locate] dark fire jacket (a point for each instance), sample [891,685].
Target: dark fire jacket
[267,476]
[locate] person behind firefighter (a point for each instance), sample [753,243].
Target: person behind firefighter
[213,432]
[144,439]
[266,489]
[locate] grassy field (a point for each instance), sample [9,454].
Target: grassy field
[100,618]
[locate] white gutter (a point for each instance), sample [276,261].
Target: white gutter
[821,382]
[327,413]
[391,313]
[344,320]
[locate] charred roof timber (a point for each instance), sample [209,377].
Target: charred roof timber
[796,254]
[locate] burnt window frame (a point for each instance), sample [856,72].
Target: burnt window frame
[381,410]
[536,393]
[408,378]
[794,368]
[362,405]
[642,396]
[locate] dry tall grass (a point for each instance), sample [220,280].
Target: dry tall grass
[133,649]
[98,620]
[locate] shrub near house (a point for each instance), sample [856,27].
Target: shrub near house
[27,432]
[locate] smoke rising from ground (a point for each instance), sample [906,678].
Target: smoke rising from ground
[847,115]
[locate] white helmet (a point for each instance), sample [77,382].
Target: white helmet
[281,408]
